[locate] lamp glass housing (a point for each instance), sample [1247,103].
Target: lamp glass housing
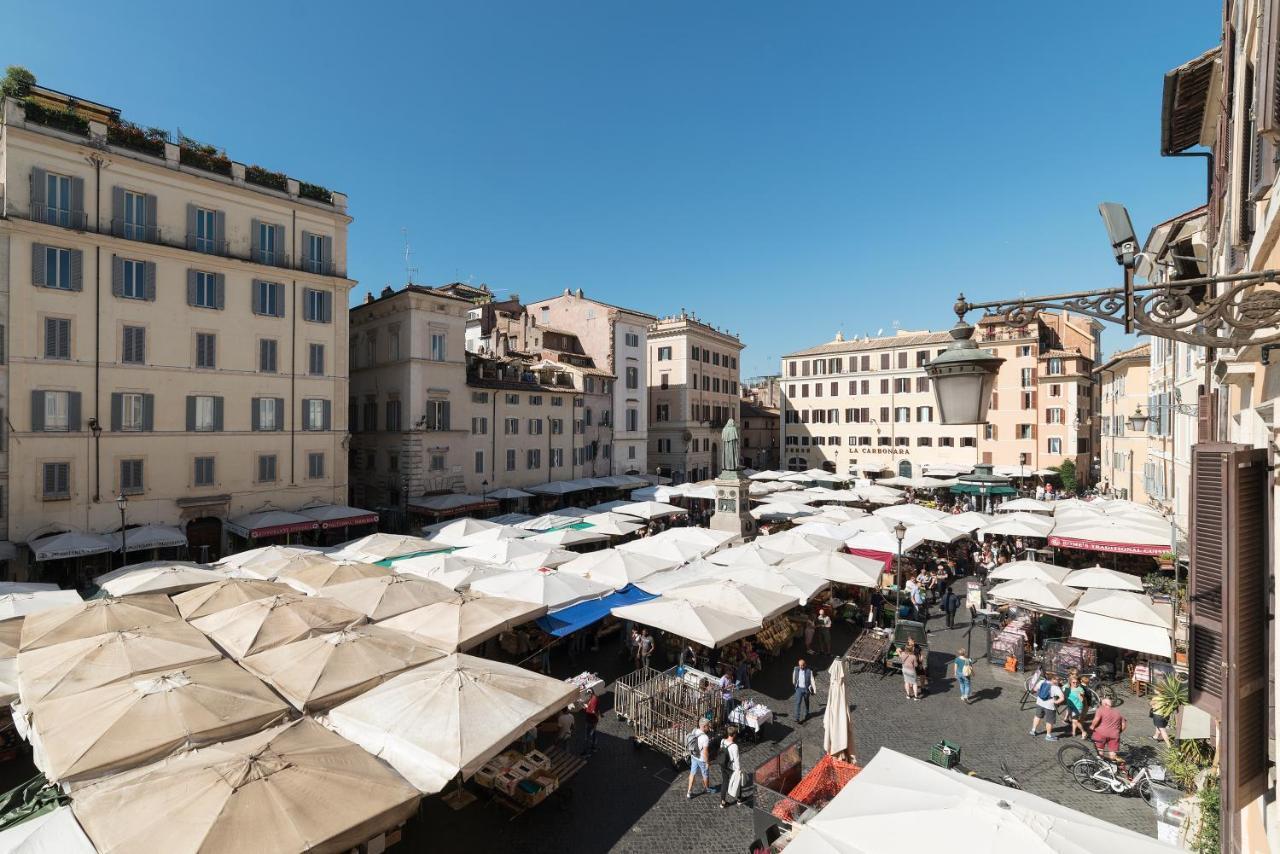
[963,377]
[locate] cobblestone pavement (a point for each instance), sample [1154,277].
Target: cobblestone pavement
[628,798]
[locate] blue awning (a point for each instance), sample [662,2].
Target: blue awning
[568,620]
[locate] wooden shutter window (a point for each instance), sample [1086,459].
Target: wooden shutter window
[1267,79]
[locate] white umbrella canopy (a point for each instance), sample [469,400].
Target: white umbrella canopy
[76,666]
[449,717]
[385,596]
[1125,605]
[453,533]
[519,554]
[69,544]
[613,524]
[1035,593]
[567,537]
[53,832]
[781,511]
[376,547]
[313,575]
[879,494]
[510,519]
[767,474]
[507,493]
[1126,620]
[457,573]
[661,582]
[708,626]
[10,631]
[615,567]
[464,621]
[835,514]
[157,576]
[227,593]
[871,524]
[1099,577]
[733,597]
[698,536]
[676,551]
[93,617]
[148,537]
[837,723]
[19,604]
[797,542]
[784,579]
[496,534]
[831,530]
[649,510]
[1018,525]
[970,520]
[883,542]
[607,506]
[937,532]
[275,621]
[911,514]
[1029,569]
[746,556]
[136,721]
[548,587]
[1027,505]
[841,568]
[269,567]
[260,562]
[1117,533]
[319,672]
[953,812]
[296,787]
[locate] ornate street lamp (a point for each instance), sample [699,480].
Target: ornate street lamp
[963,375]
[122,501]
[899,531]
[1138,421]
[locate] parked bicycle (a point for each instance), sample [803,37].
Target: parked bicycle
[1073,751]
[1100,776]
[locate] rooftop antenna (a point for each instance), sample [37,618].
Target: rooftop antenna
[409,269]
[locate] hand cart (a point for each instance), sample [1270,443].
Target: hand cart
[868,651]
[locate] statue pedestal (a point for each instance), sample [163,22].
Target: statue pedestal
[732,504]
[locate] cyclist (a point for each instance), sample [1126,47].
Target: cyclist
[1106,726]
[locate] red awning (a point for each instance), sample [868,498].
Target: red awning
[279,530]
[1111,548]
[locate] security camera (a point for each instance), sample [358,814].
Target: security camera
[1124,243]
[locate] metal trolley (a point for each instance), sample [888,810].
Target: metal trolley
[665,707]
[633,689]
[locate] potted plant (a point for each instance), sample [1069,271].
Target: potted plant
[266,178]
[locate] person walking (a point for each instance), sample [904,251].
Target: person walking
[730,769]
[824,630]
[591,720]
[646,647]
[910,672]
[1048,697]
[810,627]
[1075,706]
[1105,728]
[803,683]
[698,743]
[950,604]
[964,672]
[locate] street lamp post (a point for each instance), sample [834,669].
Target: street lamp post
[122,501]
[899,531]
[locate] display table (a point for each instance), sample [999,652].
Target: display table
[751,715]
[587,684]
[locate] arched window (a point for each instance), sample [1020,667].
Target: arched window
[797,464]
[904,468]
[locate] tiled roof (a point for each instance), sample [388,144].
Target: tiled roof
[884,343]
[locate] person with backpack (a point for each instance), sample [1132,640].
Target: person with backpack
[964,672]
[1048,697]
[698,744]
[730,769]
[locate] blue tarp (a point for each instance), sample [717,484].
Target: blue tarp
[584,614]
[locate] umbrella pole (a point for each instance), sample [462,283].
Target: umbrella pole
[459,797]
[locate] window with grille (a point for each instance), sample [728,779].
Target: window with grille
[511,459]
[56,479]
[134,349]
[57,338]
[131,477]
[204,471]
[267,353]
[315,465]
[266,468]
[206,350]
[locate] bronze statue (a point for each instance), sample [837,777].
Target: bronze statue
[731,461]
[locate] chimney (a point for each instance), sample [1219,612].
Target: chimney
[579,293]
[566,292]
[388,291]
[368,298]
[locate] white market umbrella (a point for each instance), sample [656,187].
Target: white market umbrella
[506,493]
[883,542]
[835,514]
[837,723]
[970,520]
[1029,569]
[1035,593]
[841,568]
[832,530]
[1028,505]
[1099,577]
[519,554]
[871,524]
[20,604]
[649,510]
[661,582]
[148,537]
[746,556]
[77,620]
[936,532]
[548,587]
[568,537]
[698,536]
[797,542]
[1126,620]
[53,832]
[464,621]
[1018,525]
[676,551]
[911,514]
[454,572]
[946,811]
[613,524]
[454,532]
[879,494]
[275,621]
[385,596]
[449,717]
[781,511]
[296,787]
[262,562]
[224,594]
[376,547]
[319,672]
[311,575]
[767,474]
[734,597]
[157,576]
[615,567]
[780,579]
[699,623]
[69,544]
[1125,534]
[496,534]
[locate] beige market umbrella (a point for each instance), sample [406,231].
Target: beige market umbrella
[94,617]
[262,562]
[786,579]
[837,723]
[453,572]
[19,604]
[569,537]
[1036,594]
[1101,578]
[464,621]
[385,596]
[707,626]
[157,576]
[376,547]
[518,554]
[296,787]
[449,717]
[319,672]
[136,721]
[548,587]
[649,510]
[842,568]
[313,575]
[275,621]
[734,597]
[797,542]
[10,631]
[746,556]
[224,594]
[1033,569]
[76,666]
[615,567]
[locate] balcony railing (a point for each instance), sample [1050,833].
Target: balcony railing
[135,231]
[270,257]
[64,217]
[317,266]
[207,245]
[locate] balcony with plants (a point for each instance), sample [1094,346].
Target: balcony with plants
[125,134]
[199,155]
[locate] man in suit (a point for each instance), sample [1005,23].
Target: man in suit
[803,682]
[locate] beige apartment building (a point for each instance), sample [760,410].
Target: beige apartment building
[866,406]
[430,418]
[693,392]
[1122,383]
[177,330]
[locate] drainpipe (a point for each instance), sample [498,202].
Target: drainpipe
[97,162]
[293,365]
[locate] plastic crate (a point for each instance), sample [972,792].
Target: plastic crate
[538,759]
[945,754]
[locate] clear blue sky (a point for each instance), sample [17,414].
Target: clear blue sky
[785,170]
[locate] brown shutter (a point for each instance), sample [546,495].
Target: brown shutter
[1266,89]
[1228,610]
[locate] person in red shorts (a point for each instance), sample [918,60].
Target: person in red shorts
[1106,727]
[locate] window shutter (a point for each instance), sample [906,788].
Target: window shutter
[429,421]
[149,280]
[50,479]
[326,306]
[280,413]
[255,422]
[117,276]
[279,230]
[191,287]
[444,415]
[73,412]
[1267,73]
[77,270]
[306,247]
[39,181]
[255,240]
[191,414]
[191,226]
[219,232]
[1208,405]
[149,412]
[217,414]
[326,422]
[38,264]
[117,411]
[37,411]
[326,255]
[77,204]
[50,338]
[279,292]
[256,293]
[220,285]
[117,211]
[153,216]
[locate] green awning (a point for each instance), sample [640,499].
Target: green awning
[976,489]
